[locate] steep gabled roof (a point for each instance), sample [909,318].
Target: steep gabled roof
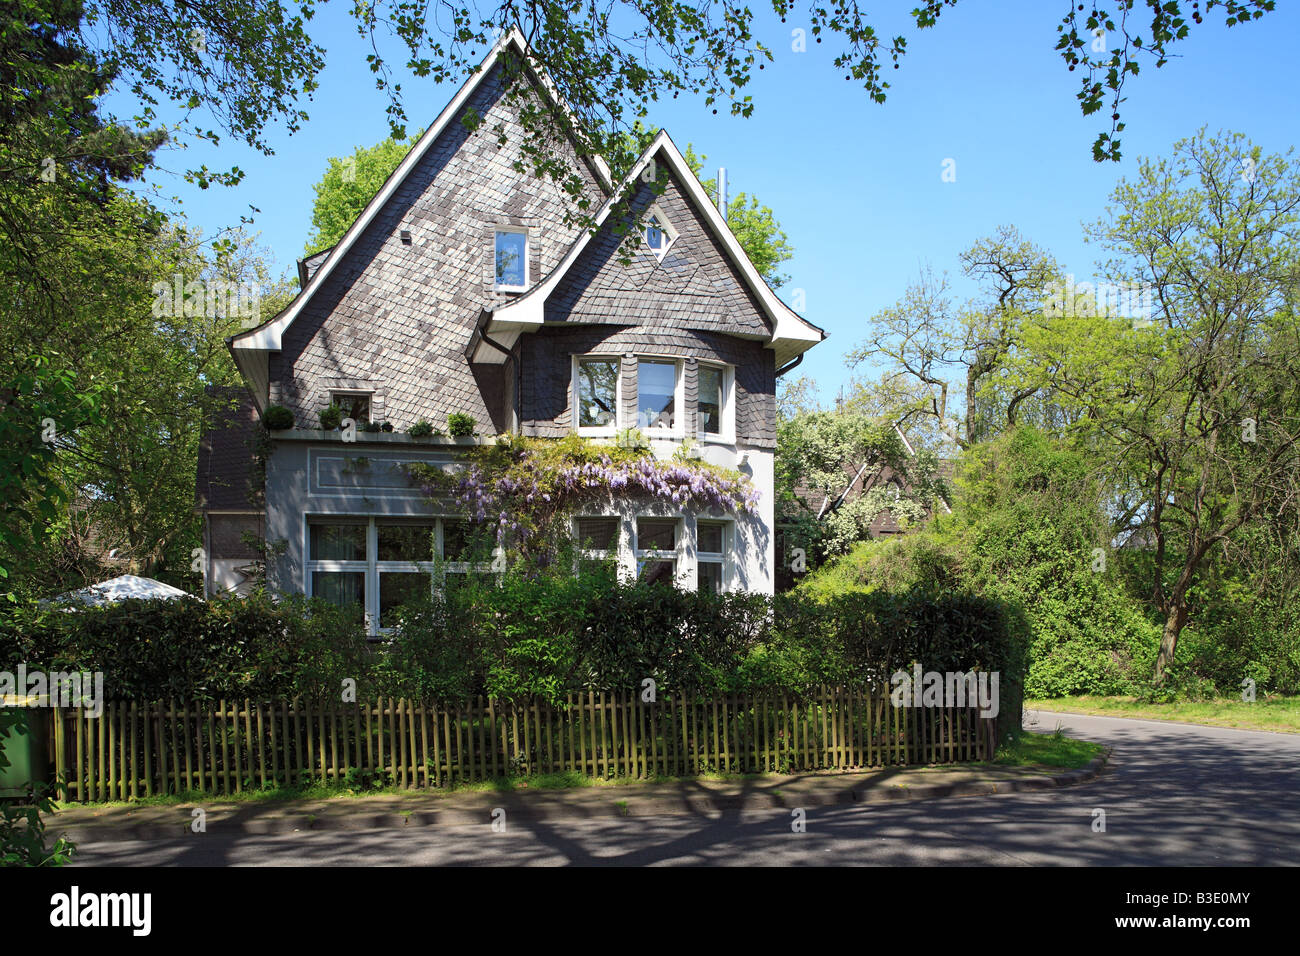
[791,336]
[250,348]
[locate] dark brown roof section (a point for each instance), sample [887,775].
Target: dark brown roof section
[226,452]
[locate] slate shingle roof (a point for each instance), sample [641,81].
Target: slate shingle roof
[396,318]
[225,462]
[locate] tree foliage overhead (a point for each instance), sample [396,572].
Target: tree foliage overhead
[242,66]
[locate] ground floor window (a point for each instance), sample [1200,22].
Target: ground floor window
[711,549]
[379,564]
[656,550]
[669,551]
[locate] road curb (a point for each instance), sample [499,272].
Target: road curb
[534,811]
[1070,778]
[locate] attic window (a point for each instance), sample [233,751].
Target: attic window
[659,233]
[511,260]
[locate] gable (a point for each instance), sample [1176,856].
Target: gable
[695,286]
[789,335]
[394,316]
[253,350]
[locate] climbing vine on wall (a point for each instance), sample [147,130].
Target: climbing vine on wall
[524,490]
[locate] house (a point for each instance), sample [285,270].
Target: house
[461,288]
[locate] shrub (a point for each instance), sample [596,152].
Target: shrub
[331,417]
[277,418]
[518,635]
[861,638]
[149,650]
[460,425]
[421,429]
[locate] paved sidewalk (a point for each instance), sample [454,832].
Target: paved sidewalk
[423,808]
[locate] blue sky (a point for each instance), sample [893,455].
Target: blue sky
[857,186]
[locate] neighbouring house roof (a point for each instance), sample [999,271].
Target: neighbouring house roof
[864,479]
[225,461]
[790,334]
[120,589]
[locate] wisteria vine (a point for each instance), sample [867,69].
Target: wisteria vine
[523,486]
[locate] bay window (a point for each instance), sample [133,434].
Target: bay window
[596,395]
[658,382]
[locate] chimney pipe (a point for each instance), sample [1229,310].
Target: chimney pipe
[722,192]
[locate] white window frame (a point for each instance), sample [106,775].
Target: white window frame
[599,554]
[727,434]
[528,252]
[678,428]
[355,393]
[677,555]
[665,226]
[597,431]
[372,567]
[722,558]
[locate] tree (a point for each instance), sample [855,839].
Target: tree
[936,350]
[1194,414]
[796,396]
[821,457]
[753,224]
[349,183]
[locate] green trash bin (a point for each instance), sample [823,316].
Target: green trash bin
[28,752]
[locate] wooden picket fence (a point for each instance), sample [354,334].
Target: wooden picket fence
[141,749]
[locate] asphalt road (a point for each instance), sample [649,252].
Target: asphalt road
[1174,794]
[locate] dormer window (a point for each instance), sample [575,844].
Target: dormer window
[511,260]
[659,233]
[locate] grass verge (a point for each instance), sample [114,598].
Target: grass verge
[1047,750]
[318,791]
[1280,714]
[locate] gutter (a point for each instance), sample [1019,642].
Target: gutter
[781,371]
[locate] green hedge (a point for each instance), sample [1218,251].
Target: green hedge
[190,648]
[540,637]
